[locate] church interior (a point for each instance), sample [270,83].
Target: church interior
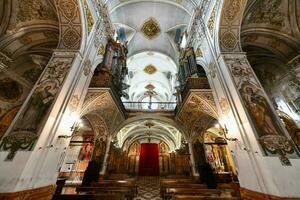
[149,99]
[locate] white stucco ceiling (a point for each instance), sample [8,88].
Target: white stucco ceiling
[172,17]
[163,79]
[133,14]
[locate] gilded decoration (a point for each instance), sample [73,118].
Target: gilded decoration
[230,25]
[101,50]
[151,28]
[150,69]
[211,21]
[150,87]
[71,38]
[232,10]
[70,24]
[68,8]
[229,40]
[199,52]
[90,19]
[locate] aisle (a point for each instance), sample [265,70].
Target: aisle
[148,188]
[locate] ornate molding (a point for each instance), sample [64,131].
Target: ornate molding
[70,24]
[199,105]
[230,25]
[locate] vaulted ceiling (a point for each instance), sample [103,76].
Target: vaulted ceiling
[153,30]
[155,130]
[271,37]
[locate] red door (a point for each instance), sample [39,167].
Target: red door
[149,164]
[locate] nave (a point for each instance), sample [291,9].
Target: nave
[151,188]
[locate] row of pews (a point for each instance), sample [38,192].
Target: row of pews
[189,189]
[104,190]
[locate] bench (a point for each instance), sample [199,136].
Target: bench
[114,183]
[128,192]
[190,197]
[165,186]
[171,192]
[89,197]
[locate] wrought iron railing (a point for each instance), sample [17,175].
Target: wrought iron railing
[149,105]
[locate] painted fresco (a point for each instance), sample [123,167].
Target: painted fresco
[26,130]
[10,90]
[268,130]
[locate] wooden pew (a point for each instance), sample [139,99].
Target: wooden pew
[115,183]
[171,192]
[165,186]
[190,197]
[233,186]
[187,180]
[89,197]
[129,194]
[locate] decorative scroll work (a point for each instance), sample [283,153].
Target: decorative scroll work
[268,129]
[70,24]
[26,129]
[230,24]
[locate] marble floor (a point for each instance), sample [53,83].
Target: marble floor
[148,188]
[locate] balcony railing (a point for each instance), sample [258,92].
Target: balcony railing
[149,105]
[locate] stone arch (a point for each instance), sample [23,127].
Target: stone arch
[73,33]
[228,26]
[149,117]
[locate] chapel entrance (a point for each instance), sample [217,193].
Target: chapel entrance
[149,162]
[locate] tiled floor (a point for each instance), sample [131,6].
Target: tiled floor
[148,188]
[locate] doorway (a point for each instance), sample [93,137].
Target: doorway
[149,162]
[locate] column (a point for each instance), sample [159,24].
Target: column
[193,164]
[104,165]
[30,153]
[266,158]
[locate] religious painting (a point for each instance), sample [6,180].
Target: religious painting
[269,132]
[164,159]
[259,110]
[133,158]
[26,129]
[10,90]
[86,149]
